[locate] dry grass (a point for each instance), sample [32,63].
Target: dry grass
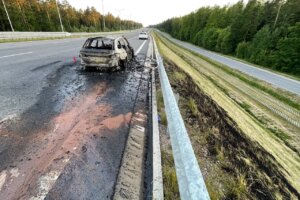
[286,160]
[191,104]
[171,190]
[242,92]
[161,108]
[262,104]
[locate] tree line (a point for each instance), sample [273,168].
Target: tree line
[42,15]
[263,32]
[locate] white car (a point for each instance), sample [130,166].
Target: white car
[143,36]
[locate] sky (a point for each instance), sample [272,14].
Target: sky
[148,12]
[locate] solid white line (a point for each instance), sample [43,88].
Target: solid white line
[140,48]
[19,54]
[3,175]
[9,117]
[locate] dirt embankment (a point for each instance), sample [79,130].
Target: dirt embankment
[234,167]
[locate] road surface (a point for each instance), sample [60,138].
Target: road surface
[277,80]
[62,130]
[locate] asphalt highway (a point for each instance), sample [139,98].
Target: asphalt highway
[277,80]
[62,130]
[24,66]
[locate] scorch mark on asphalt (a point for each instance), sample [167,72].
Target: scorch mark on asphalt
[50,150]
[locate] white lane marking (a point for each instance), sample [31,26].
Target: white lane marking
[14,172]
[19,54]
[9,117]
[2,179]
[139,128]
[140,48]
[45,184]
[55,129]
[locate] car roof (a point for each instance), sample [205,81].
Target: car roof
[101,37]
[110,37]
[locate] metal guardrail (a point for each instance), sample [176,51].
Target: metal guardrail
[99,33]
[190,179]
[157,178]
[32,35]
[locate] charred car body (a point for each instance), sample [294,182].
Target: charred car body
[106,53]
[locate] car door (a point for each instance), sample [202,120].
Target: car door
[121,49]
[129,50]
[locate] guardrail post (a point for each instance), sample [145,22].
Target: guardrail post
[189,176]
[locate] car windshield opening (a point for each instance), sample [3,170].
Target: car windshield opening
[100,43]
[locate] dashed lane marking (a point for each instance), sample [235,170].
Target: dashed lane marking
[45,184]
[140,48]
[2,178]
[9,117]
[19,54]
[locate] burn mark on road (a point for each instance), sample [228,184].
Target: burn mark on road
[117,122]
[76,109]
[46,65]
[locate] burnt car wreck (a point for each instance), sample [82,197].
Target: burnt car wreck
[106,53]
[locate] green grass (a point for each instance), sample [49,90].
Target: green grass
[171,190]
[278,133]
[245,106]
[238,188]
[191,104]
[244,78]
[217,85]
[161,108]
[179,76]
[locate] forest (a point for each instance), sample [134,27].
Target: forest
[266,33]
[42,15]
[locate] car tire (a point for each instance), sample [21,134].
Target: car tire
[124,63]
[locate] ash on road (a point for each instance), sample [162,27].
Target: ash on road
[68,141]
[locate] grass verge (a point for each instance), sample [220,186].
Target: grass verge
[256,145]
[171,190]
[249,80]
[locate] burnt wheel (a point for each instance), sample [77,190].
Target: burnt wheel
[124,64]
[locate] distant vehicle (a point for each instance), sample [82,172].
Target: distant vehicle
[106,53]
[143,36]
